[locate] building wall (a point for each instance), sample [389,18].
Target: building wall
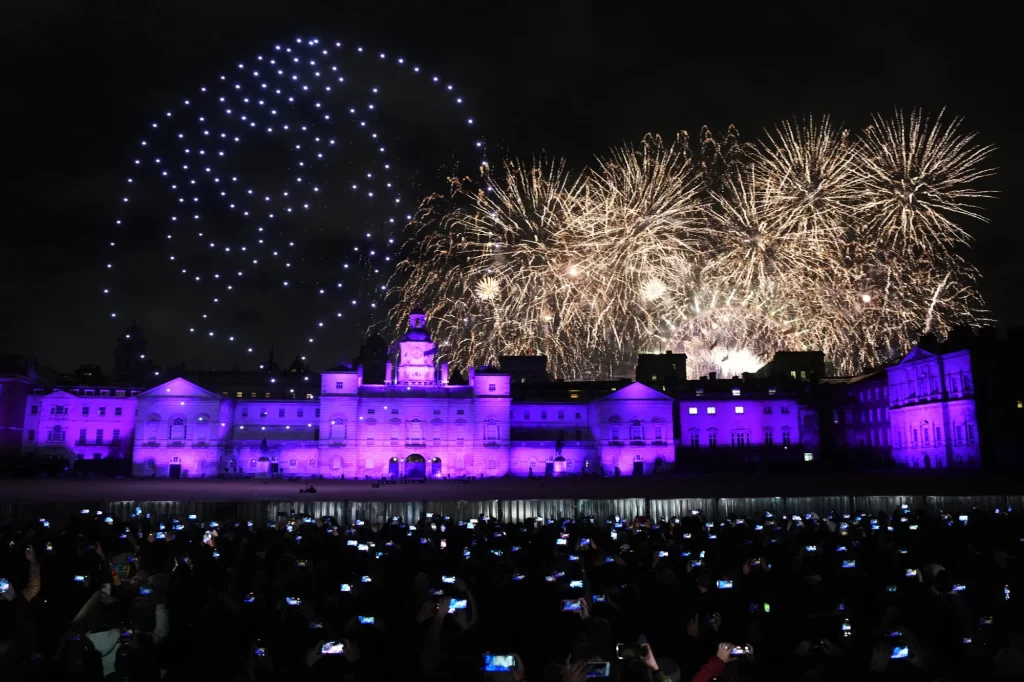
[932,411]
[14,396]
[88,423]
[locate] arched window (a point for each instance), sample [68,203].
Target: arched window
[492,464]
[694,438]
[460,462]
[491,430]
[415,428]
[178,428]
[293,462]
[152,427]
[636,430]
[369,464]
[202,428]
[312,464]
[252,463]
[712,438]
[659,431]
[338,429]
[336,464]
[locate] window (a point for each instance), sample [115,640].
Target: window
[55,435]
[808,456]
[579,434]
[579,415]
[394,411]
[99,436]
[636,430]
[253,394]
[263,414]
[339,429]
[117,411]
[35,409]
[561,414]
[280,412]
[178,429]
[103,411]
[312,464]
[803,374]
[657,433]
[543,414]
[31,435]
[491,387]
[792,374]
[81,436]
[692,410]
[694,438]
[526,415]
[785,438]
[436,412]
[700,392]
[90,391]
[913,437]
[712,438]
[924,435]
[245,411]
[371,411]
[711,410]
[338,385]
[318,413]
[738,409]
[736,391]
[784,409]
[238,394]
[492,464]
[252,463]
[938,435]
[768,438]
[460,412]
[293,463]
[59,410]
[267,394]
[460,441]
[771,391]
[299,412]
[491,430]
[116,437]
[615,432]
[85,411]
[970,434]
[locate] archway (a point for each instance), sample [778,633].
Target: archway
[393,469]
[415,468]
[435,467]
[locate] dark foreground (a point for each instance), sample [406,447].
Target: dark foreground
[36,491]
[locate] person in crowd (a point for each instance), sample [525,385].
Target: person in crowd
[888,596]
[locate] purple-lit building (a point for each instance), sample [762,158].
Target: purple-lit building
[932,413]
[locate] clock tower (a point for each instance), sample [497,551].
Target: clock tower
[416,352]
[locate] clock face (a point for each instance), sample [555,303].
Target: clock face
[416,354]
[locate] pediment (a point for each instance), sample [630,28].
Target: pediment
[178,388]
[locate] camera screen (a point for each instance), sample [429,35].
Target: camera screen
[457,604]
[4,585]
[600,598]
[849,564]
[259,650]
[561,541]
[330,648]
[249,598]
[345,587]
[366,620]
[597,669]
[145,590]
[725,584]
[79,578]
[899,652]
[571,605]
[499,664]
[448,579]
[366,579]
[293,601]
[577,584]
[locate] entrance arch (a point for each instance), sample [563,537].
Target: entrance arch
[415,467]
[393,469]
[435,467]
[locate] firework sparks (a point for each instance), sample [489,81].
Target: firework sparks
[811,239]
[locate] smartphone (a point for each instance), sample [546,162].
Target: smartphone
[301,563]
[1006,592]
[457,604]
[160,535]
[911,573]
[573,557]
[561,541]
[448,579]
[259,650]
[332,648]
[571,605]
[968,640]
[84,511]
[849,563]
[126,633]
[79,579]
[896,634]
[899,652]
[890,588]
[959,588]
[293,601]
[363,548]
[5,586]
[738,651]
[696,563]
[846,629]
[366,620]
[811,548]
[725,584]
[517,576]
[249,598]
[499,663]
[366,579]
[576,584]
[191,517]
[768,607]
[662,554]
[628,652]
[345,587]
[496,552]
[841,548]
[600,598]
[985,620]
[143,590]
[597,669]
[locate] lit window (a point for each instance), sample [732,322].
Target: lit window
[735,391]
[654,377]
[700,392]
[693,410]
[808,456]
[771,391]
[238,394]
[711,410]
[739,409]
[1020,404]
[792,374]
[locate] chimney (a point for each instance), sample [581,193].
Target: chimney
[712,375]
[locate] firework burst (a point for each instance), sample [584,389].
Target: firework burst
[809,239]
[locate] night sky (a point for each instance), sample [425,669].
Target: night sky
[565,78]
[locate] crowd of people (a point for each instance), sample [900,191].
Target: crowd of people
[896,595]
